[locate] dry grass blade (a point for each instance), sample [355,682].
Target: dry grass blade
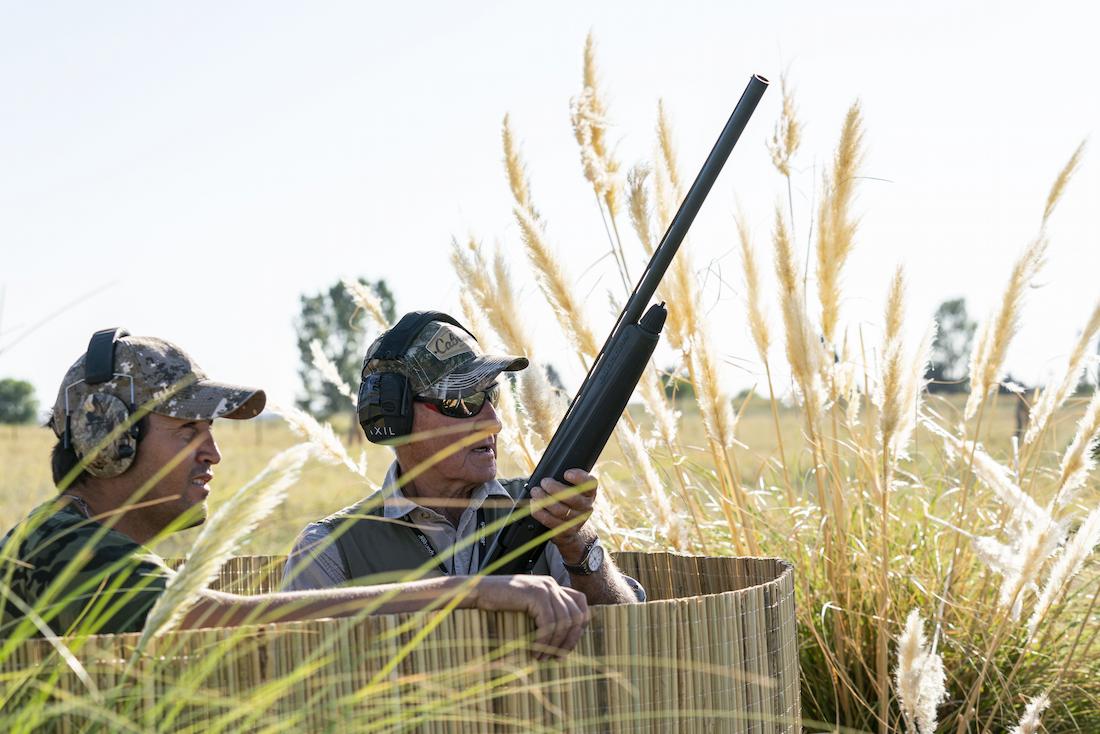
[328,371]
[7,596]
[668,151]
[679,285]
[589,117]
[220,536]
[836,224]
[515,168]
[666,419]
[803,351]
[662,515]
[787,136]
[327,447]
[1062,180]
[366,299]
[490,285]
[555,285]
[638,198]
[715,405]
[997,333]
[888,397]
[758,323]
[551,279]
[497,308]
[1054,396]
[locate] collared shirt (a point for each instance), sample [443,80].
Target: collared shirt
[315,562]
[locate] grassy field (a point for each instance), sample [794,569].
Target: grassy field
[247,447]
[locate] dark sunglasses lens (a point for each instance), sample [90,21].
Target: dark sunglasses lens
[468,406]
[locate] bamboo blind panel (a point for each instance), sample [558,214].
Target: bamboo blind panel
[713,650]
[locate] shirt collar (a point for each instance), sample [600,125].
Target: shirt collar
[396,504]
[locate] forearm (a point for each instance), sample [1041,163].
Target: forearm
[218,609]
[606,586]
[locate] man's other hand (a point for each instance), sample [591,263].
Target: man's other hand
[560,613]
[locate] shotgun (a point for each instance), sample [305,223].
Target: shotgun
[596,408]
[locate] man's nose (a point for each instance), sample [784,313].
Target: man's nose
[489,418]
[208,450]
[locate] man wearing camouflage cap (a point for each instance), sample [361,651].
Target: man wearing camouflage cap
[428,389]
[134,459]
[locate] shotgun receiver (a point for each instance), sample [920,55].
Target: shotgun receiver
[602,397]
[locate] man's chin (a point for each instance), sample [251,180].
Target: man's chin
[193,516]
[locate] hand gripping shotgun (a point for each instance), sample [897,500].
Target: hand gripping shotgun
[602,397]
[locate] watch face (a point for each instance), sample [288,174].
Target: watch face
[595,558]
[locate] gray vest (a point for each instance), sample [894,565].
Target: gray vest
[372,545]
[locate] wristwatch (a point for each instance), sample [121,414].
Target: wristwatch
[591,563]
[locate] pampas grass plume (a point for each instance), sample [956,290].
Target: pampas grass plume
[364,298]
[919,678]
[1054,396]
[1077,461]
[1068,565]
[788,131]
[1061,181]
[758,324]
[1029,722]
[836,226]
[997,333]
[328,371]
[638,200]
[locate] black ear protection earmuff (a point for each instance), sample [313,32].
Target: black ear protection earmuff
[385,398]
[102,413]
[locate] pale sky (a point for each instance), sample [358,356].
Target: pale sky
[199,165]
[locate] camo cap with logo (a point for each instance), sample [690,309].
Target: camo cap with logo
[165,379]
[444,362]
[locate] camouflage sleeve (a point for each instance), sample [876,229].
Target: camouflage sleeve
[82,578]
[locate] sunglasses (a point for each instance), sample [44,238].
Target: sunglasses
[466,407]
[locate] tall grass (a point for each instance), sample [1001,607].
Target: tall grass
[880,533]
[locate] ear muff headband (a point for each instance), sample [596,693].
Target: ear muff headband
[385,398]
[109,411]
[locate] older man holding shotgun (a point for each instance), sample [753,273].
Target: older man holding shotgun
[429,390]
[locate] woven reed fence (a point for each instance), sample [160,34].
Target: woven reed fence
[714,650]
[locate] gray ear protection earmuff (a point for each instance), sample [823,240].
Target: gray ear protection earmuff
[96,429]
[385,398]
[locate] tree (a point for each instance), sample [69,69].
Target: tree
[951,348]
[17,401]
[332,318]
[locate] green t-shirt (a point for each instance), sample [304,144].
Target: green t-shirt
[111,582]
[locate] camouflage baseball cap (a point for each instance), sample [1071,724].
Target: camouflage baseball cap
[444,362]
[164,378]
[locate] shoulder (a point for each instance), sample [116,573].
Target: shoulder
[52,534]
[372,505]
[312,534]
